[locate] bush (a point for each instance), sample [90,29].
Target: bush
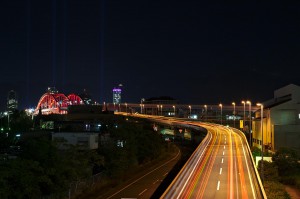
[275,190]
[287,161]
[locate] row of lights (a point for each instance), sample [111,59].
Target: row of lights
[221,106]
[205,106]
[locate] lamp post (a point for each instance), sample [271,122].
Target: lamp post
[190,110]
[174,111]
[262,140]
[250,133]
[126,107]
[221,111]
[157,109]
[244,103]
[161,106]
[7,113]
[233,103]
[119,107]
[205,106]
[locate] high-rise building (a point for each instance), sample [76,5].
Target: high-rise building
[12,102]
[117,95]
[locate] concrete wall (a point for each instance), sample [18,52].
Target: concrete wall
[287,136]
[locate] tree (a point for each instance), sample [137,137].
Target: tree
[286,160]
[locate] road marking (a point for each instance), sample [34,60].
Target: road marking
[142,192]
[218,187]
[222,160]
[155,181]
[165,174]
[224,146]
[220,171]
[144,176]
[223,152]
[248,171]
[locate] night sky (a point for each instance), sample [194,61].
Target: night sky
[198,52]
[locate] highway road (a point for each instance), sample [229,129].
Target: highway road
[220,167]
[145,183]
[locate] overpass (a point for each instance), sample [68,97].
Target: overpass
[221,167]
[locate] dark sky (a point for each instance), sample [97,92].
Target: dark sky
[199,52]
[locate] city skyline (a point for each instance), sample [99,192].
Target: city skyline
[196,52]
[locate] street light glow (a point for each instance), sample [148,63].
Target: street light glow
[233,103]
[244,103]
[221,112]
[205,106]
[250,133]
[174,110]
[262,140]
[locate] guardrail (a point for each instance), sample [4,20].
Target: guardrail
[252,161]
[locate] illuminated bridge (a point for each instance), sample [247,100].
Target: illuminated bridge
[53,102]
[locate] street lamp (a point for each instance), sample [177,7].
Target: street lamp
[7,113]
[119,107]
[221,111]
[244,103]
[262,140]
[157,109]
[174,110]
[233,103]
[126,107]
[248,102]
[190,110]
[205,106]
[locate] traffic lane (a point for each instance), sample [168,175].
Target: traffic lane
[182,180]
[213,182]
[218,180]
[243,181]
[145,185]
[250,184]
[229,170]
[198,173]
[252,170]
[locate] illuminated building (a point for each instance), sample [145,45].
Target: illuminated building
[117,95]
[12,102]
[281,121]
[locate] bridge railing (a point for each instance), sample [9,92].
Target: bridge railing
[263,193]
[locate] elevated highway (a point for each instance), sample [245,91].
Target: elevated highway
[221,167]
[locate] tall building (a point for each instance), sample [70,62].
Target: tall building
[117,95]
[12,102]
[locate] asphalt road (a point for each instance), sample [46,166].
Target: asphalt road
[219,168]
[145,184]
